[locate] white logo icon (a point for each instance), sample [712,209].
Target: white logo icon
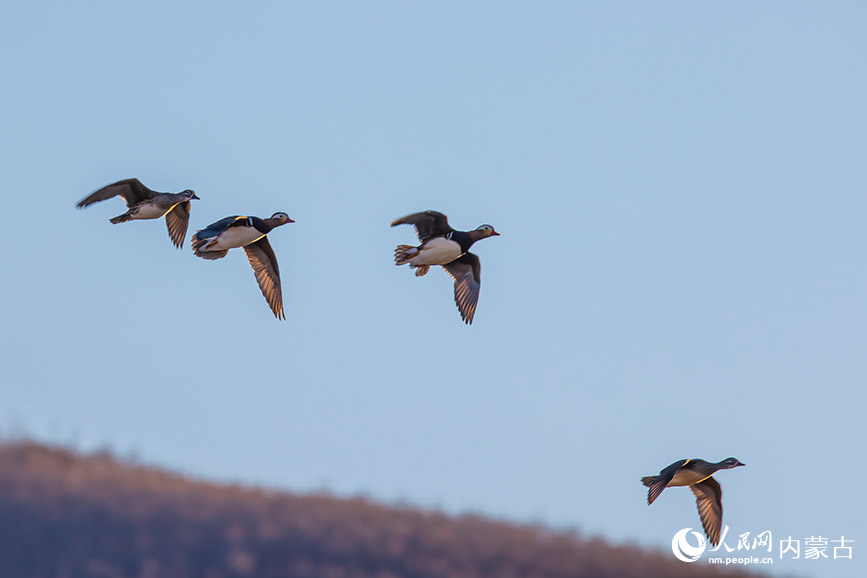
[683,550]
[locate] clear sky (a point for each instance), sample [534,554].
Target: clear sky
[681,271]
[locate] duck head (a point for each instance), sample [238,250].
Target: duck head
[729,463]
[278,219]
[483,232]
[190,194]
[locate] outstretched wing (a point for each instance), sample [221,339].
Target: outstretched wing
[467,273]
[177,221]
[428,224]
[663,479]
[264,263]
[708,498]
[132,191]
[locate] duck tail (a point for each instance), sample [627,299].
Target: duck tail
[200,248]
[121,218]
[648,480]
[403,253]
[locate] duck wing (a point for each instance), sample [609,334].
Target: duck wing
[659,483]
[131,190]
[264,263]
[428,224]
[467,273]
[203,236]
[177,221]
[708,498]
[215,229]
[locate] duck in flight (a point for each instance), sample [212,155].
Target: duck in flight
[697,474]
[441,245]
[214,242]
[143,203]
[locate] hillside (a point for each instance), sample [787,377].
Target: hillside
[66,515]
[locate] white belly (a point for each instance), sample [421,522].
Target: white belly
[149,212]
[439,251]
[234,237]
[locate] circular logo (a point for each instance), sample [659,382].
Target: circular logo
[683,550]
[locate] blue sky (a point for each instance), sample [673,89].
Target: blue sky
[680,192]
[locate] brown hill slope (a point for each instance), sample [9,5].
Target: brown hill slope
[65,515]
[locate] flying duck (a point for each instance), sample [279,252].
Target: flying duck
[708,494]
[442,245]
[214,241]
[144,203]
